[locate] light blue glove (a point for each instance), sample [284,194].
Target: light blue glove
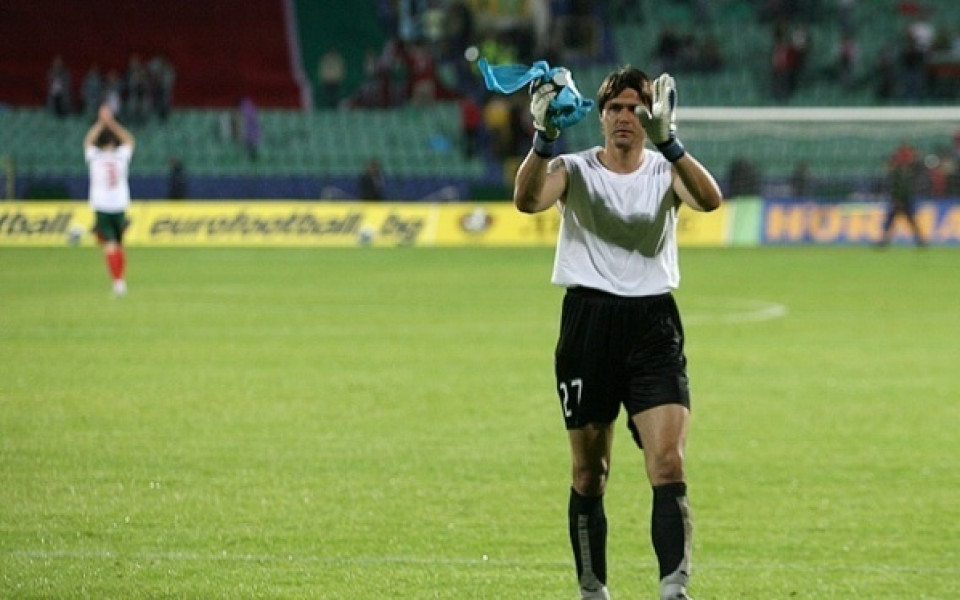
[556,102]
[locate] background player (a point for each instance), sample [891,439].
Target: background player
[108,149]
[902,168]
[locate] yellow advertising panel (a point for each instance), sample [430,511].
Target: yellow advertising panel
[313,224]
[43,223]
[282,224]
[494,224]
[500,224]
[696,228]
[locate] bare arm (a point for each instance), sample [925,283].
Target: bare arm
[694,184]
[124,135]
[106,120]
[539,183]
[91,137]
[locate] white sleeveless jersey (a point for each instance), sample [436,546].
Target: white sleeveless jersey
[619,231]
[109,185]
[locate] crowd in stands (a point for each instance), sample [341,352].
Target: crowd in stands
[680,52]
[136,93]
[937,170]
[905,70]
[431,47]
[932,172]
[422,60]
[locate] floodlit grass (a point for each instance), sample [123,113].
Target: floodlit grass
[366,423]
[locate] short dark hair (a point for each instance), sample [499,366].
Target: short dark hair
[107,138]
[626,77]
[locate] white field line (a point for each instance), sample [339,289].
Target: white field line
[736,310]
[702,565]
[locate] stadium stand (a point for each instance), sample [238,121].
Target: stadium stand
[221,49]
[306,150]
[746,47]
[409,141]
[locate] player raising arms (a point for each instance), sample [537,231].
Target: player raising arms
[621,339]
[108,149]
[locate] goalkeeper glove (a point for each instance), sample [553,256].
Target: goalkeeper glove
[660,122]
[542,93]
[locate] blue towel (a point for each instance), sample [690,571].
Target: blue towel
[567,109]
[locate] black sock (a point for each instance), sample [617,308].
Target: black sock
[671,529]
[588,536]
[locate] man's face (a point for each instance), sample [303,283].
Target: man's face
[620,123]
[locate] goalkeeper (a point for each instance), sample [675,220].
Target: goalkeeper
[621,339]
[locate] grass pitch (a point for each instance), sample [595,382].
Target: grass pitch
[381,424]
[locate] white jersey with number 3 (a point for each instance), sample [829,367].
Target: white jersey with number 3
[619,231]
[109,186]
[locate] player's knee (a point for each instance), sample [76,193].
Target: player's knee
[590,480]
[666,467]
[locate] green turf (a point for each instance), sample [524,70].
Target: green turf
[370,423]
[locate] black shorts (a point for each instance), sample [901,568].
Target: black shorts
[110,226]
[615,351]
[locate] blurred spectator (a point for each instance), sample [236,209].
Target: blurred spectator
[678,52]
[250,127]
[923,34]
[137,106]
[422,75]
[743,178]
[521,125]
[800,183]
[162,77]
[113,91]
[498,49]
[58,88]
[372,92]
[579,30]
[228,126]
[846,57]
[471,122]
[912,64]
[176,179]
[942,173]
[541,22]
[393,73]
[884,74]
[370,184]
[800,42]
[496,114]
[404,72]
[953,181]
[783,63]
[710,58]
[669,48]
[331,71]
[92,91]
[409,19]
[460,27]
[460,33]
